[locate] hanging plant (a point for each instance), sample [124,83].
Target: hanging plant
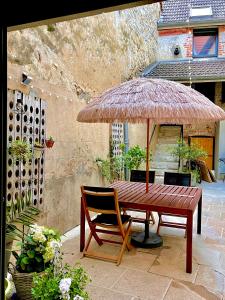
[49,142]
[38,148]
[20,150]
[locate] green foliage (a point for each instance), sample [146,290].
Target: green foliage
[188,152]
[22,212]
[51,27]
[50,138]
[113,167]
[47,286]
[37,250]
[20,150]
[134,157]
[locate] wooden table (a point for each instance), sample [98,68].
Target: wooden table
[160,198]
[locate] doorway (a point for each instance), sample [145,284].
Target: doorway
[207,144]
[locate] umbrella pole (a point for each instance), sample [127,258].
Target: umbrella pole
[146,239]
[147,155]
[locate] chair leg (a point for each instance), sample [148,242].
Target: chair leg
[98,240]
[125,243]
[88,242]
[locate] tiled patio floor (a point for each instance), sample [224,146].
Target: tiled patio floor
[160,273]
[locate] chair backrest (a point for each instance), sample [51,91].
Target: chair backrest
[182,179]
[140,176]
[100,199]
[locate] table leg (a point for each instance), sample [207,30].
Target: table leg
[189,242]
[199,217]
[82,226]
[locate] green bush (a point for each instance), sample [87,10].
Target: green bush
[113,168]
[20,150]
[188,152]
[63,283]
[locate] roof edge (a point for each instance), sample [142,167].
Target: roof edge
[169,25]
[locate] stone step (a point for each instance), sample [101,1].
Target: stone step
[165,128]
[172,132]
[167,140]
[169,134]
[164,165]
[160,172]
[159,179]
[165,148]
[162,156]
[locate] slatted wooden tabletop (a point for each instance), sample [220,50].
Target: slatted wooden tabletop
[160,198]
[166,198]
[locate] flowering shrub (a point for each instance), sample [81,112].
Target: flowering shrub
[65,283]
[38,249]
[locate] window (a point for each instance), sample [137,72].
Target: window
[201,11]
[205,42]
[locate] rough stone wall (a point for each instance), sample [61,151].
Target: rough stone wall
[169,39]
[81,58]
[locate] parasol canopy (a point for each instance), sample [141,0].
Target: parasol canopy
[160,100]
[155,101]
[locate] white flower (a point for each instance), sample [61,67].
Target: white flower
[35,228]
[39,237]
[55,245]
[77,297]
[64,285]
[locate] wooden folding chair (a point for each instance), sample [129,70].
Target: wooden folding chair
[181,179]
[140,176]
[104,202]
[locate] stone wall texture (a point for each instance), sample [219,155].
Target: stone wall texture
[75,61]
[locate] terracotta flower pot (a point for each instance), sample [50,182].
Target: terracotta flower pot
[49,143]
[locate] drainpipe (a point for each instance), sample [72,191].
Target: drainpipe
[126,143]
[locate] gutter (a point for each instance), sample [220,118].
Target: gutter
[195,23]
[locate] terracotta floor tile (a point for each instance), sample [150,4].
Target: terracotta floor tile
[211,279]
[100,293]
[188,291]
[103,274]
[138,260]
[142,284]
[173,267]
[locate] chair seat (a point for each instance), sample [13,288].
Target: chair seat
[110,219]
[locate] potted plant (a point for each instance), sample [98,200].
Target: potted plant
[49,142]
[20,150]
[38,149]
[18,218]
[61,282]
[189,153]
[36,254]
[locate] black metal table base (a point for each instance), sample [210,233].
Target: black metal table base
[146,239]
[139,239]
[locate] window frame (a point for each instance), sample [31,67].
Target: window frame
[205,32]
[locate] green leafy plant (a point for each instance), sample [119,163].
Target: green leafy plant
[134,157]
[20,150]
[61,283]
[112,168]
[37,250]
[188,152]
[51,27]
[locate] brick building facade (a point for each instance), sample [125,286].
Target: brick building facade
[191,43]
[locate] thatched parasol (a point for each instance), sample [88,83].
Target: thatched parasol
[155,101]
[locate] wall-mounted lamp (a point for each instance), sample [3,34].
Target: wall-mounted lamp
[26,79]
